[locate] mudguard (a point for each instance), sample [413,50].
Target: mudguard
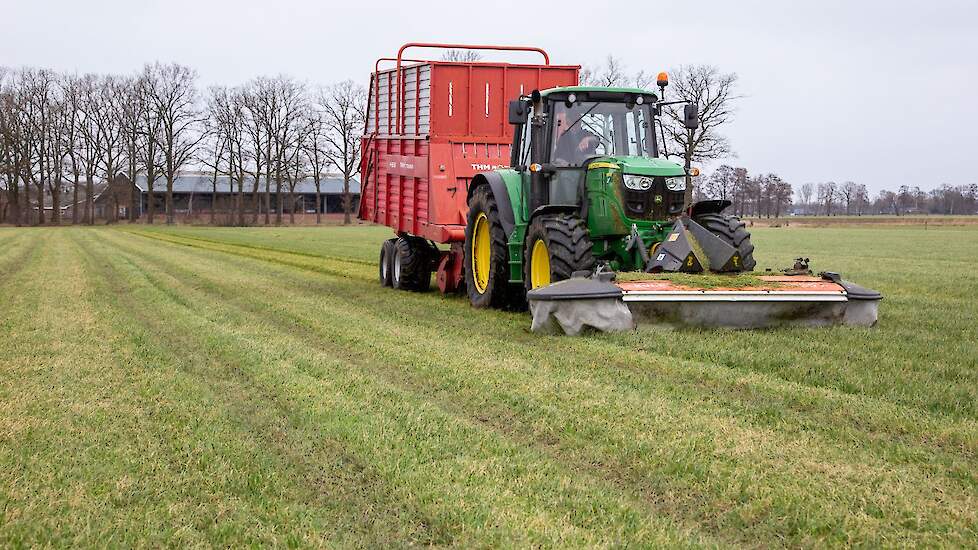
[495,181]
[708,207]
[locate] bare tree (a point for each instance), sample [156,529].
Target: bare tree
[71,90]
[262,105]
[287,123]
[613,73]
[150,152]
[861,198]
[827,193]
[227,119]
[466,56]
[39,86]
[778,195]
[805,195]
[847,194]
[714,93]
[343,117]
[215,145]
[175,99]
[317,157]
[61,138]
[721,184]
[11,148]
[296,163]
[256,138]
[133,132]
[91,144]
[889,201]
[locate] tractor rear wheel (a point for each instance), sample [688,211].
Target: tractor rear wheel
[486,254]
[384,265]
[411,264]
[555,247]
[733,231]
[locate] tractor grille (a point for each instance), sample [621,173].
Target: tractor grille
[644,205]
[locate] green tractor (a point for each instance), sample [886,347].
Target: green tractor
[586,188]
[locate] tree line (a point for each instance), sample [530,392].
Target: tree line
[768,195]
[62,133]
[852,199]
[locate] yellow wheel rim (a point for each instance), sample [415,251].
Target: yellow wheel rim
[539,265]
[481,252]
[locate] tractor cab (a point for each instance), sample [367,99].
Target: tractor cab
[563,134]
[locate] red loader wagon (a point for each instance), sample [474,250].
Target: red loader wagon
[431,125]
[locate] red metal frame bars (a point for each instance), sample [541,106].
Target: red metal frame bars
[376,82]
[398,120]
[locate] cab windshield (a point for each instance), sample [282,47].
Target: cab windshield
[587,129]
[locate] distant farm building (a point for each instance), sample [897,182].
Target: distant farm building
[199,194]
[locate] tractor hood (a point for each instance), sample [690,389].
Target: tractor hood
[643,166]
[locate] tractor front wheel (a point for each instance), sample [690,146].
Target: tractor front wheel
[732,230]
[555,247]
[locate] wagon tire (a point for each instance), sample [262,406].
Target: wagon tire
[411,264]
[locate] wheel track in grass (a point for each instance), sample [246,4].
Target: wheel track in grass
[268,427]
[18,252]
[414,385]
[238,248]
[170,293]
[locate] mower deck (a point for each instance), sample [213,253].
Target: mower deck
[782,300]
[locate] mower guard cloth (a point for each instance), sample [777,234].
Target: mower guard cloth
[576,305]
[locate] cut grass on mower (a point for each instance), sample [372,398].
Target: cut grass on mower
[257,387]
[704,281]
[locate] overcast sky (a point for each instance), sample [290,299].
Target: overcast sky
[879,92]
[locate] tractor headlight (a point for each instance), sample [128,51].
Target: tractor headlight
[638,183]
[676,184]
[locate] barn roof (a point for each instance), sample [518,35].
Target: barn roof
[201,183]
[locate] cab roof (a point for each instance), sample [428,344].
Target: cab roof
[594,89]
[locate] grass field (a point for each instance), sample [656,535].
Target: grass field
[229,387]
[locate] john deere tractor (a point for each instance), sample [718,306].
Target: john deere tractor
[587,187]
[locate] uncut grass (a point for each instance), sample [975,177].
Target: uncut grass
[524,497]
[838,466]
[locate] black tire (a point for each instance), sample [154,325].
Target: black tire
[568,245]
[384,264]
[732,230]
[496,292]
[411,264]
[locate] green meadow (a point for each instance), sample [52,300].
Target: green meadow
[195,386]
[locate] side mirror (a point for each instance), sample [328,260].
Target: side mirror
[691,116]
[518,110]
